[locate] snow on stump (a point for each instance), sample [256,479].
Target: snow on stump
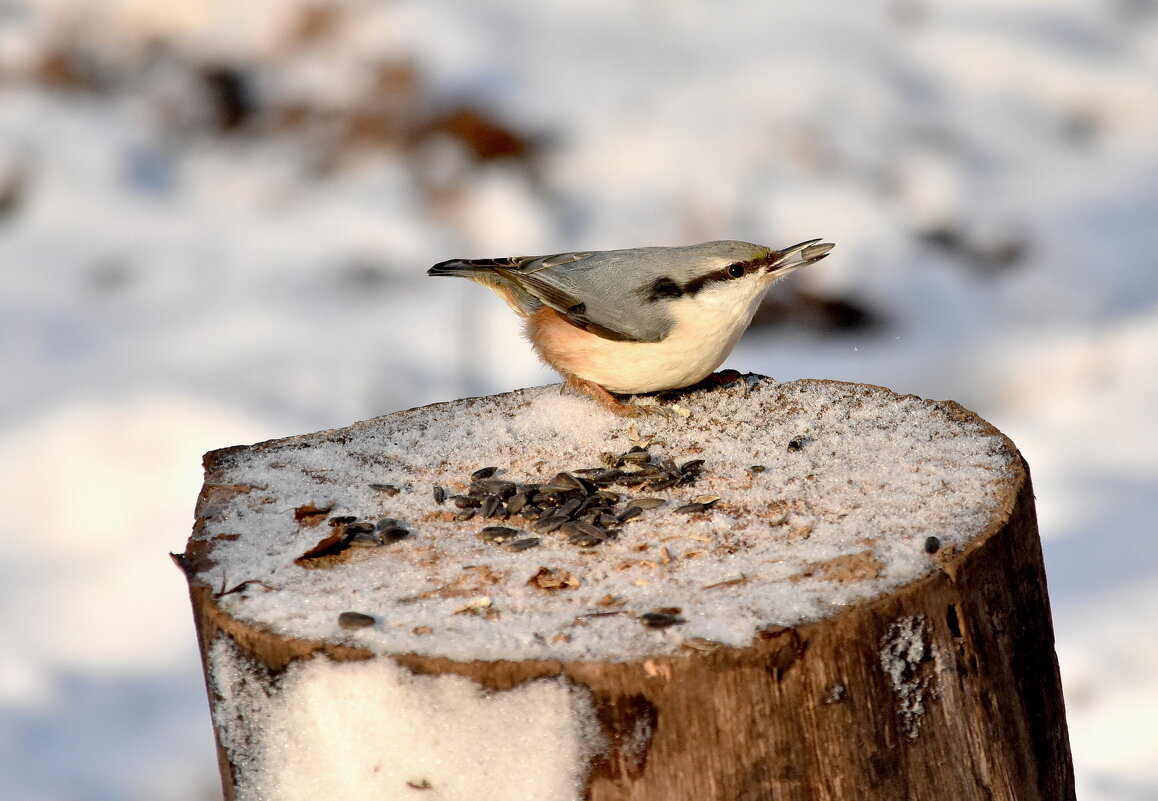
[810,590]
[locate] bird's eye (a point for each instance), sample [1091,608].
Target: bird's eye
[736,270]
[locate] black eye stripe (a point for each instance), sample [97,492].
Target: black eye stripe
[718,276]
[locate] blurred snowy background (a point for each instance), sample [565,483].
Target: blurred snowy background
[215,218]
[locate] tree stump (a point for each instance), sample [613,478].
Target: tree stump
[810,590]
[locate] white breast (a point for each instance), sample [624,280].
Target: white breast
[704,335]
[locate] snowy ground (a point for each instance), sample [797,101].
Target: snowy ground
[215,219]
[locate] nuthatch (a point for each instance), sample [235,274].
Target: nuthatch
[639,320]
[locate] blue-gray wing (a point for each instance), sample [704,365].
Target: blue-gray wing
[594,291]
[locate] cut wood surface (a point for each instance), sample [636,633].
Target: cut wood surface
[810,590]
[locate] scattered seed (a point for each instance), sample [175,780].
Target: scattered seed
[466,514]
[648,503]
[483,472]
[932,545]
[392,535]
[548,523]
[359,528]
[465,501]
[389,489]
[524,544]
[491,505]
[757,468]
[495,486]
[517,502]
[343,520]
[585,540]
[630,512]
[694,466]
[663,483]
[499,534]
[706,500]
[690,508]
[355,620]
[363,539]
[661,619]
[439,494]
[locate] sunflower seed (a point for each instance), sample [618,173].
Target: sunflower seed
[524,544]
[695,466]
[585,540]
[517,502]
[466,514]
[465,501]
[660,620]
[647,503]
[363,539]
[499,533]
[932,544]
[690,508]
[439,495]
[389,489]
[393,534]
[359,528]
[494,486]
[706,500]
[483,472]
[629,512]
[355,620]
[548,524]
[491,506]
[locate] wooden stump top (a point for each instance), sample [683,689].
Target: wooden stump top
[782,504]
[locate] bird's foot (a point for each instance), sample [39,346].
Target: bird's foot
[608,400]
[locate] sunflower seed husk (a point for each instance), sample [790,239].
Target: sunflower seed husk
[393,534]
[355,620]
[660,620]
[483,472]
[524,544]
[499,533]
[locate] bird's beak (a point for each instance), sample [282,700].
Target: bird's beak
[789,259]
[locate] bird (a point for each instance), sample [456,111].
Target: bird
[638,320]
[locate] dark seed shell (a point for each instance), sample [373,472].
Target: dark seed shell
[690,508]
[660,620]
[662,483]
[548,524]
[517,502]
[648,503]
[694,466]
[585,540]
[466,514]
[932,544]
[393,535]
[389,489]
[355,620]
[524,544]
[439,494]
[491,505]
[363,539]
[483,472]
[465,501]
[628,513]
[342,520]
[499,533]
[359,528]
